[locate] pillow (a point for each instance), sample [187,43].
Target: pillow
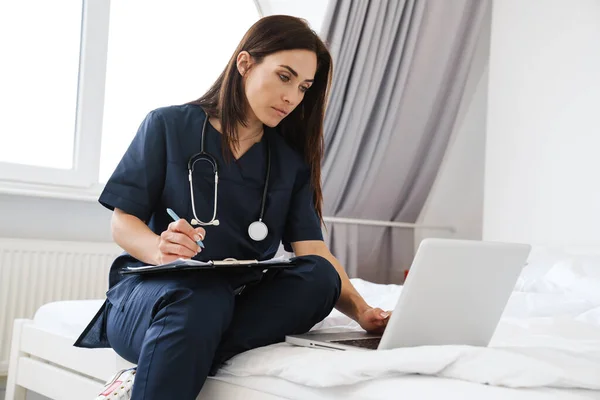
[578,276]
[541,259]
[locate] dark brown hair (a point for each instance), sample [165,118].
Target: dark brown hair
[303,127]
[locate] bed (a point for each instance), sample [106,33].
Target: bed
[547,346]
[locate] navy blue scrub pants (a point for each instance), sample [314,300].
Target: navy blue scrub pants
[180,328]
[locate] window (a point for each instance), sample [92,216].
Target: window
[56,77]
[40,79]
[83,74]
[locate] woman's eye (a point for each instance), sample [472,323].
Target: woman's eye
[303,89]
[283,78]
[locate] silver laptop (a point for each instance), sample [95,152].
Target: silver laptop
[454,294]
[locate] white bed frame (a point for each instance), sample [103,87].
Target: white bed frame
[49,364]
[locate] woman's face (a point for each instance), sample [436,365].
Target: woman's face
[277,85]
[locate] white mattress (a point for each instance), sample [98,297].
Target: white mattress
[68,318]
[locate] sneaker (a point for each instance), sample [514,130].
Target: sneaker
[119,386]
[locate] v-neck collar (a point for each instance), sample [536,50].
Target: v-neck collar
[250,168]
[254,145]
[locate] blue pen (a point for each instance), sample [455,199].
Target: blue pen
[176,218]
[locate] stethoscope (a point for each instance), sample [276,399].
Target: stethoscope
[257,230]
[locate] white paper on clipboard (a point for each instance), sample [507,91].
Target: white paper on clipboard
[186,264]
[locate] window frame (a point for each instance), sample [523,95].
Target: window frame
[25,179]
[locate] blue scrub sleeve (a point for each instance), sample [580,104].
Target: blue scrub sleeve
[302,221]
[137,183]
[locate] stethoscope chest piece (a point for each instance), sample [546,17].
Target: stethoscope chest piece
[258,230]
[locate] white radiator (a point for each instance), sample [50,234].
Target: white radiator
[36,272]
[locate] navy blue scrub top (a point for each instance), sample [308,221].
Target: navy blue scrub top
[153,176]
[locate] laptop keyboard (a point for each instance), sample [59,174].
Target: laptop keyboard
[370,343]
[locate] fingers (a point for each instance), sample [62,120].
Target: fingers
[381,318]
[184,227]
[380,314]
[178,244]
[200,231]
[174,249]
[376,320]
[181,239]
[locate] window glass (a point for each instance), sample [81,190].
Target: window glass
[40,46]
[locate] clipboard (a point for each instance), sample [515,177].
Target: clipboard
[228,263]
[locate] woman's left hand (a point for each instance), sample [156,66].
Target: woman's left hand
[374,320]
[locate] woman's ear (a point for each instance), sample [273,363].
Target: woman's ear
[243,62]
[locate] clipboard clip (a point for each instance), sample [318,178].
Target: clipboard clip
[233,261]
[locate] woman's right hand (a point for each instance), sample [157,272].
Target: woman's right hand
[179,241]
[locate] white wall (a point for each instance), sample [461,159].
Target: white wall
[456,198]
[44,218]
[542,181]
[311,10]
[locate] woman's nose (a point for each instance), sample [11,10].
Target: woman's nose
[291,97]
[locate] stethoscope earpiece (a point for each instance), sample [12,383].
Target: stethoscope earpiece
[257,230]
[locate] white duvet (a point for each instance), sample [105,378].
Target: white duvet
[549,336]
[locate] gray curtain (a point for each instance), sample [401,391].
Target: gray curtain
[400,69]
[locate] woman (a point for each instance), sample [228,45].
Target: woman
[264,121]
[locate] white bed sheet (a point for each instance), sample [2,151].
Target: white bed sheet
[528,321]
[68,318]
[411,387]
